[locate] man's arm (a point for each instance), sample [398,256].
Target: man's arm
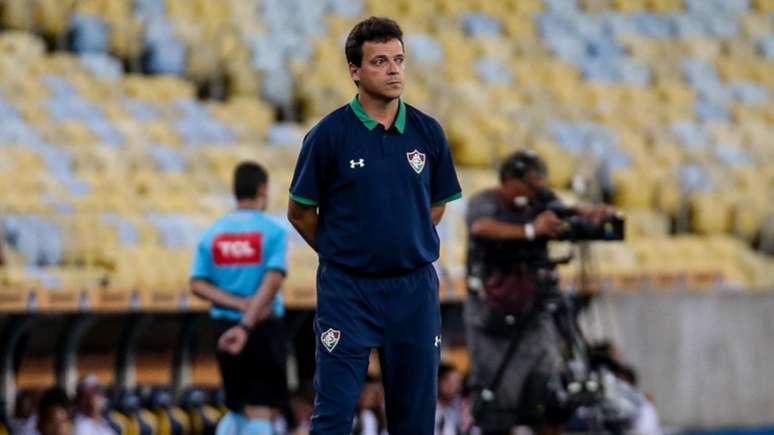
[436,213]
[489,228]
[595,212]
[205,290]
[304,220]
[2,254]
[259,307]
[547,224]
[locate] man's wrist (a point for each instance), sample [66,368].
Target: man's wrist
[246,327]
[529,231]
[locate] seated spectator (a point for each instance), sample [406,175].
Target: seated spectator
[25,416]
[647,420]
[90,403]
[54,413]
[302,407]
[370,418]
[448,411]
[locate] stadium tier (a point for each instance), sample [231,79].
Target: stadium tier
[111,165]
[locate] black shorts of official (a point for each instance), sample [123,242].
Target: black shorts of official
[258,375]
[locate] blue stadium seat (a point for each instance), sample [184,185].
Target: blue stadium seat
[709,111]
[480,24]
[89,34]
[493,72]
[424,49]
[102,65]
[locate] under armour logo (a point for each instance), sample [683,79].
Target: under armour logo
[437,340]
[359,163]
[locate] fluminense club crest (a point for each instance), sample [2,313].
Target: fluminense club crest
[416,160]
[330,339]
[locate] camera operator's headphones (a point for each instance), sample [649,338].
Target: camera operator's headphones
[521,162]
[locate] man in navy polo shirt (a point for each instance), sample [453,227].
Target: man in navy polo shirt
[370,184]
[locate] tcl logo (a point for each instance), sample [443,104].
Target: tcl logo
[237,248]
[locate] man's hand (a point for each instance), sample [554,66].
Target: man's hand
[548,225]
[206,290]
[233,340]
[263,314]
[598,212]
[245,303]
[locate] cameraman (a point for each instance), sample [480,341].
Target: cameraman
[509,228]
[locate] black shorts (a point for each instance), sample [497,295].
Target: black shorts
[258,375]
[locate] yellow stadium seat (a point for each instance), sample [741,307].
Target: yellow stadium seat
[706,49]
[524,7]
[646,224]
[747,218]
[126,39]
[749,114]
[633,189]
[754,24]
[519,27]
[711,213]
[629,5]
[17,14]
[52,15]
[764,5]
[596,6]
[663,6]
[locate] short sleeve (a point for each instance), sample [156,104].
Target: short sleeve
[480,206]
[307,177]
[202,259]
[277,249]
[444,186]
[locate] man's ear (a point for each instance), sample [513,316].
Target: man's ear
[354,72]
[263,196]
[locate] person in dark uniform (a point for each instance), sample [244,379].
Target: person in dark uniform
[371,182]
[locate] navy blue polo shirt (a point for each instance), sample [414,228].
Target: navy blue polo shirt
[374,188]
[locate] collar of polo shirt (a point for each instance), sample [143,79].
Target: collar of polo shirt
[370,123]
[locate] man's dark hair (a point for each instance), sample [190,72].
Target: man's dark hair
[248,177]
[372,29]
[444,369]
[518,164]
[52,398]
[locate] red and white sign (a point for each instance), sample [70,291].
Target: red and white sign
[230,249]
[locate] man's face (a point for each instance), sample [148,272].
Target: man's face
[381,73]
[450,385]
[535,181]
[529,186]
[93,402]
[56,421]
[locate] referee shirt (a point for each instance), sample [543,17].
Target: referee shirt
[374,188]
[235,253]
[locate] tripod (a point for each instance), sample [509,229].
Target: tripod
[580,385]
